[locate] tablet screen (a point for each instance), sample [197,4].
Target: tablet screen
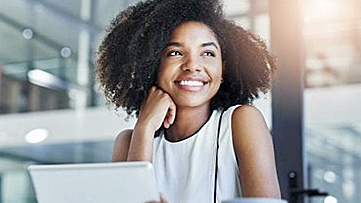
[126,182]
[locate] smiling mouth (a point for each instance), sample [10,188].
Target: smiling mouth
[192,83]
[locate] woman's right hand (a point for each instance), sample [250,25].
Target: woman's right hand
[162,199]
[157,109]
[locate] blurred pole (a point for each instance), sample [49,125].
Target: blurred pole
[82,96]
[81,100]
[93,48]
[287,96]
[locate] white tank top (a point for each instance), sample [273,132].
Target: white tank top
[185,170]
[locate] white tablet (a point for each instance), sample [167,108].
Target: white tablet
[128,182]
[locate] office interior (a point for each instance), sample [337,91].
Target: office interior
[53,112]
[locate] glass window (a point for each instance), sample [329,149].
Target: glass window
[332,98]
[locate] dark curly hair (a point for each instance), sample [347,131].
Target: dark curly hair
[129,56]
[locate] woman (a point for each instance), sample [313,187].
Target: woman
[190,76]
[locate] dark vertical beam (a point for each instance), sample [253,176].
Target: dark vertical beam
[1,191]
[287,94]
[92,50]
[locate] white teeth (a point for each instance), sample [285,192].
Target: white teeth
[191,83]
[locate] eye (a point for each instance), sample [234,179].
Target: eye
[209,53]
[174,53]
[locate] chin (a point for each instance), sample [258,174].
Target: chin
[191,103]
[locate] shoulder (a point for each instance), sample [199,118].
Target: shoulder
[247,113]
[124,135]
[121,145]
[249,128]
[247,120]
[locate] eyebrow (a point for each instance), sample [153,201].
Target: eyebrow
[177,44]
[209,44]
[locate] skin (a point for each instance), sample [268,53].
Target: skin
[193,53]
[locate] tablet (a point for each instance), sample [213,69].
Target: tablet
[128,182]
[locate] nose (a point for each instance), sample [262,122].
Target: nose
[191,64]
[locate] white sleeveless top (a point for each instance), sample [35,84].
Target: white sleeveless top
[185,170]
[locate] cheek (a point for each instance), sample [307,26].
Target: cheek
[163,76]
[216,72]
[160,75]
[167,68]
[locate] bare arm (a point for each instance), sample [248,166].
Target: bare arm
[121,146]
[141,144]
[254,150]
[133,145]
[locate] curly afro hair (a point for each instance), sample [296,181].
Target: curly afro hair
[130,54]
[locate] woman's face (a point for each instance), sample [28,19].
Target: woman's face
[191,65]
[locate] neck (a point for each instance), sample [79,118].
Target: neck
[187,122]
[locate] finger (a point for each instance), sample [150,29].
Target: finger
[166,124]
[152,89]
[162,198]
[172,112]
[170,116]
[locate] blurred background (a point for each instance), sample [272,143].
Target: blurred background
[51,109]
